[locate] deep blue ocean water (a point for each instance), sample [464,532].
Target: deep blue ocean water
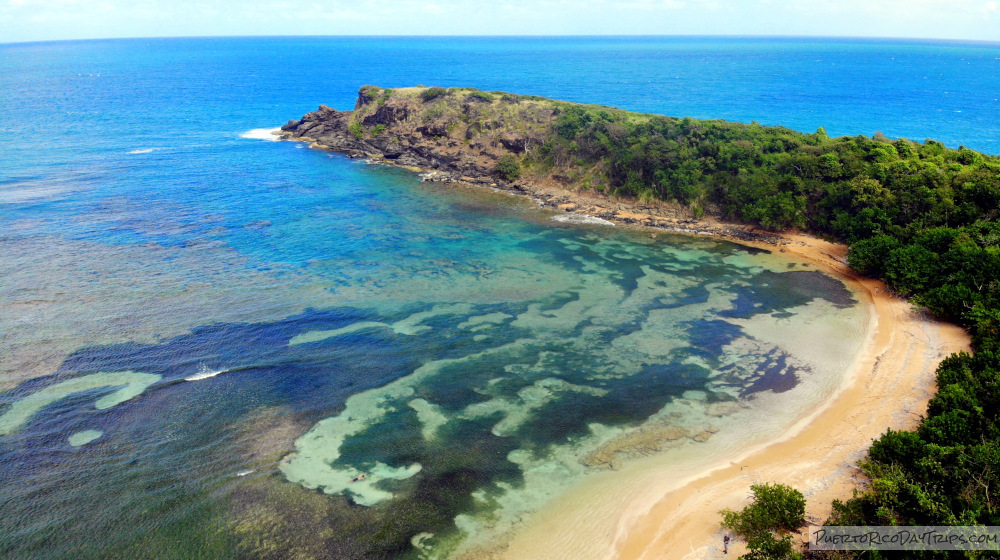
[141,232]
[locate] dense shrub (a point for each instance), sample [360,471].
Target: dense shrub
[508,168]
[357,129]
[432,93]
[852,188]
[481,96]
[775,507]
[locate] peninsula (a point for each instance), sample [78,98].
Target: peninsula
[920,216]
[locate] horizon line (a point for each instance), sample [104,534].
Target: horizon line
[995,42]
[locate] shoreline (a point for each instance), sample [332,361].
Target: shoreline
[676,513]
[677,517]
[820,456]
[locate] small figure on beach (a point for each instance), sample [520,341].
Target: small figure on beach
[359,478]
[725,544]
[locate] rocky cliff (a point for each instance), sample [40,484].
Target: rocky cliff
[459,133]
[499,140]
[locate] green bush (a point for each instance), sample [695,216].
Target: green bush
[768,547]
[508,168]
[386,94]
[868,256]
[357,129]
[379,129]
[432,93]
[775,507]
[481,96]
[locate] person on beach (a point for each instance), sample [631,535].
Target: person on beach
[725,544]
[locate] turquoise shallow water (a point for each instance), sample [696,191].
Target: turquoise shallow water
[206,337]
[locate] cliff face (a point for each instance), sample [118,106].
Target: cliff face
[461,134]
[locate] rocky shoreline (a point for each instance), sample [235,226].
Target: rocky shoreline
[428,150]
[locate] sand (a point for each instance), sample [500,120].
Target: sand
[646,512]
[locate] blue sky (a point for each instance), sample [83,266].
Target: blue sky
[39,20]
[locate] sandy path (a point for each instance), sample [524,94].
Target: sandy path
[644,513]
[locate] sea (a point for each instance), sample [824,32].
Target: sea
[216,345]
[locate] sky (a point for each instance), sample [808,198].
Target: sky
[43,20]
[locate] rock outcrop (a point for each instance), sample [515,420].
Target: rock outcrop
[457,138]
[469,136]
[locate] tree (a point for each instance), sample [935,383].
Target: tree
[775,507]
[869,255]
[508,168]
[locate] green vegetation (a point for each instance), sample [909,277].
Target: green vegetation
[766,546]
[386,94]
[947,471]
[507,168]
[357,129]
[775,508]
[850,187]
[482,96]
[432,93]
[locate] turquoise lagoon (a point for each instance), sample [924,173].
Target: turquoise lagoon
[206,337]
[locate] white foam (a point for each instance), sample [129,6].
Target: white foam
[269,134]
[204,373]
[143,150]
[582,219]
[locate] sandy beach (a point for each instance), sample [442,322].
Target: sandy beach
[672,513]
[888,388]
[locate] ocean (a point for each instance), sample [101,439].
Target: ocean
[214,345]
